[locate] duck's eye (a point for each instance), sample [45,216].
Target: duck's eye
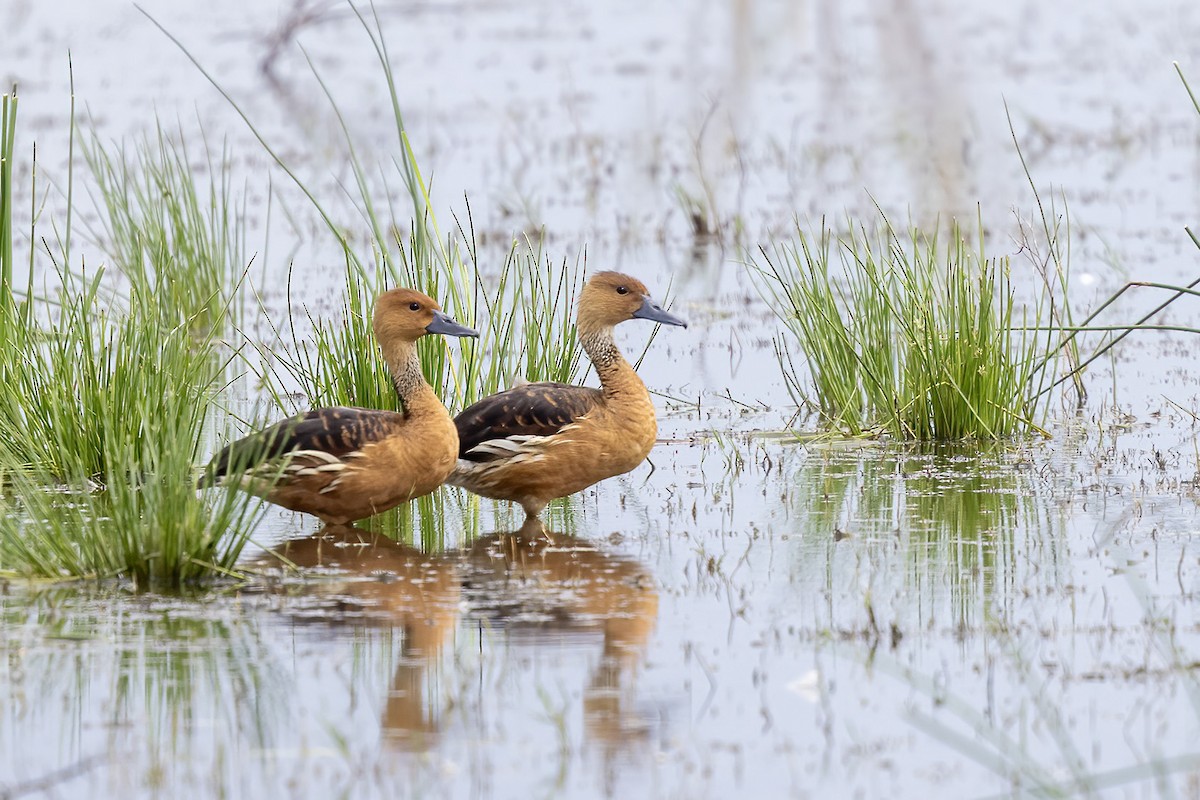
[414,306]
[622,290]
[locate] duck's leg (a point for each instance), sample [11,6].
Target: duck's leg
[533,506]
[532,528]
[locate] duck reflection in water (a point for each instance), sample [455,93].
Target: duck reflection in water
[547,587]
[372,581]
[539,587]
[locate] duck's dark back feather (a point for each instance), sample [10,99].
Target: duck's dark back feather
[535,409]
[336,431]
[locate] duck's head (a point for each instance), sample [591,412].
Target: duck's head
[610,298]
[405,315]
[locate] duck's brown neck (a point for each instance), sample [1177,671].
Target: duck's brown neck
[617,377]
[415,394]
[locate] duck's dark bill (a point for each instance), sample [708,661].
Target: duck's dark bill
[655,313]
[446,326]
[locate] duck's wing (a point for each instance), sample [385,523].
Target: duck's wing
[488,429]
[323,436]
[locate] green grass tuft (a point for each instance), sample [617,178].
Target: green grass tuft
[110,400]
[179,245]
[905,337]
[103,400]
[92,376]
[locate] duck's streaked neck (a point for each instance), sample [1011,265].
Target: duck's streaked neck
[404,363]
[614,371]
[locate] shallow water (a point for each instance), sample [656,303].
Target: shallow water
[751,615]
[859,620]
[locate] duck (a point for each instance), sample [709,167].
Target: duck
[540,441]
[344,464]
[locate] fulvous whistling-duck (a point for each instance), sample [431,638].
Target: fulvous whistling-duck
[345,464]
[540,441]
